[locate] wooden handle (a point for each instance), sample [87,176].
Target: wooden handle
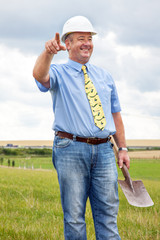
[115,148]
[124,168]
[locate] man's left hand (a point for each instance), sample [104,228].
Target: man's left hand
[123,158]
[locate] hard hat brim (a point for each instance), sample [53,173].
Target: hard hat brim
[64,36]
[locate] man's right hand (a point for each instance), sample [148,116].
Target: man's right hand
[53,46]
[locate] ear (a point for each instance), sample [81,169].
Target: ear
[68,44]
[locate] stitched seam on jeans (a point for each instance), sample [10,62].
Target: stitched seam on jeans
[61,145]
[94,156]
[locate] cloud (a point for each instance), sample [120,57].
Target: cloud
[141,127]
[135,23]
[25,113]
[136,65]
[28,24]
[19,121]
[127,45]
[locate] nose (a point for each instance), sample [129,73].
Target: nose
[86,43]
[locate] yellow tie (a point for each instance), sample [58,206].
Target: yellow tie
[94,100]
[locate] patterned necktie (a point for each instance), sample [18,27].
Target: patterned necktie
[94,100]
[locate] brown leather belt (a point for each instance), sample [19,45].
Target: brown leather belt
[94,141]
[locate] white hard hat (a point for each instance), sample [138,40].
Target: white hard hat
[77,24]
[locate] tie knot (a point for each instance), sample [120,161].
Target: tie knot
[84,68]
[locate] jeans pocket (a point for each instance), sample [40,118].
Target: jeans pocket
[59,148]
[62,142]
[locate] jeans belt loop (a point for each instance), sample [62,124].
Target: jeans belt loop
[74,138]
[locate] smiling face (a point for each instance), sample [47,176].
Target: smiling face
[79,46]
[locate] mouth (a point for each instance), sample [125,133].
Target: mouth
[85,50]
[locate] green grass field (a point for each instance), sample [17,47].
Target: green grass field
[30,202]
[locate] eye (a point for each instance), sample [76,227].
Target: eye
[81,39]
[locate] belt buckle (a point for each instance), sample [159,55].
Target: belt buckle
[88,140]
[92,141]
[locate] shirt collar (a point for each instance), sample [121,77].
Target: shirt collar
[76,65]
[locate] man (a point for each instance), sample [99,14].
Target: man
[82,153]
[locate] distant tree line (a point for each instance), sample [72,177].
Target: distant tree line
[24,151]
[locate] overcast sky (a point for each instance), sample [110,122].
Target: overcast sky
[127,45]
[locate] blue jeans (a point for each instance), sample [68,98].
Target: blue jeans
[84,171]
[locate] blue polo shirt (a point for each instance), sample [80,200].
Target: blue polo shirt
[70,104]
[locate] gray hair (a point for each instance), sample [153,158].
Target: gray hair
[70,37]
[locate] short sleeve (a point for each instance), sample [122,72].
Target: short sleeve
[53,80]
[115,103]
[41,87]
[53,76]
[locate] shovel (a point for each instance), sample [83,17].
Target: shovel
[134,191]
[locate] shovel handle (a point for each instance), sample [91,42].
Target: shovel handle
[124,168]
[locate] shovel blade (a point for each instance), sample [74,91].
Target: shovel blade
[138,196]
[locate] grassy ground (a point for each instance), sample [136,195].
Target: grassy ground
[30,204]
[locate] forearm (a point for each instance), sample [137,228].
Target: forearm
[42,66]
[119,136]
